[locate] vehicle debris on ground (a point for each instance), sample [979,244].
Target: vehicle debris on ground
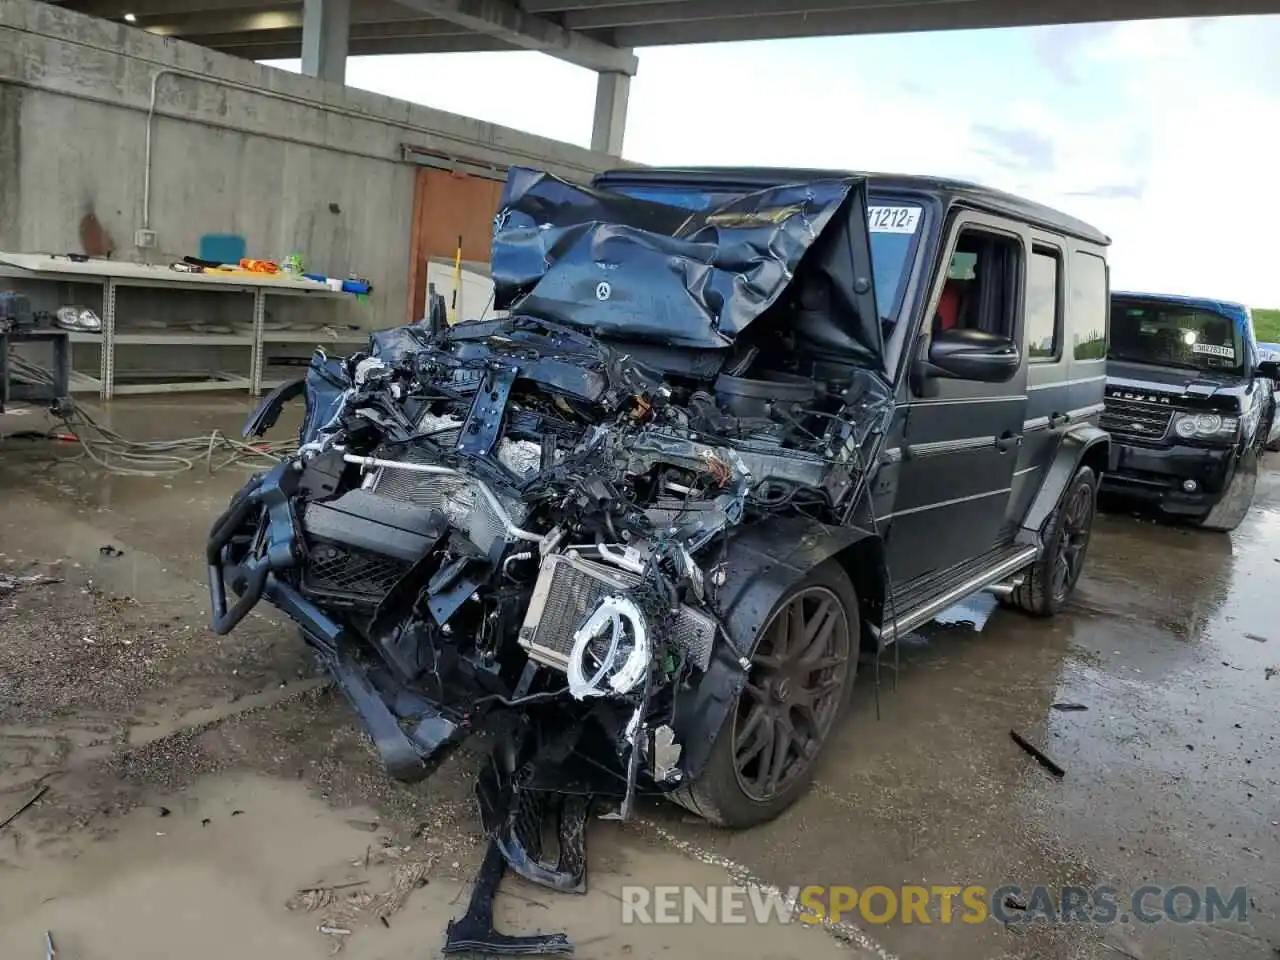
[1039,755]
[25,805]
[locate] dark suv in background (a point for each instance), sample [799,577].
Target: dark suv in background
[1189,405]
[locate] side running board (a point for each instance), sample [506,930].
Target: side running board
[1007,562]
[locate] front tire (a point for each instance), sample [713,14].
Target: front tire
[797,689]
[1229,512]
[1053,577]
[1264,428]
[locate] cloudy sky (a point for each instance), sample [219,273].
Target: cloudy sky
[1164,134]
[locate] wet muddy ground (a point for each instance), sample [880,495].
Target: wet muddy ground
[198,787]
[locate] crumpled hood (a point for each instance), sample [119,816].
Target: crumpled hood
[639,270]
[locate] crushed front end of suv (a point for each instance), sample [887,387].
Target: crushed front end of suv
[640,526]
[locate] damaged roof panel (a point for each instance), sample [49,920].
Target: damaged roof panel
[961,192]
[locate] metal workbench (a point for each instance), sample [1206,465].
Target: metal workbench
[111,275]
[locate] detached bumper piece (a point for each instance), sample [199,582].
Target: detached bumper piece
[412,734]
[475,934]
[520,839]
[526,792]
[517,816]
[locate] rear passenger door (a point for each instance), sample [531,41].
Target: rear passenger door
[1068,304]
[1048,363]
[1088,320]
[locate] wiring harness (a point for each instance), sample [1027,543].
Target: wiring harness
[146,458]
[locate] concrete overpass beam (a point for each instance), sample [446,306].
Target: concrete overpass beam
[505,21]
[610,124]
[326,26]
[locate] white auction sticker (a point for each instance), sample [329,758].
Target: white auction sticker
[893,219]
[1213,350]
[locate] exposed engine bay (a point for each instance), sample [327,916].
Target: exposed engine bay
[534,523]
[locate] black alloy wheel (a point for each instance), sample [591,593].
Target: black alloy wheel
[797,688]
[1073,541]
[793,693]
[1048,582]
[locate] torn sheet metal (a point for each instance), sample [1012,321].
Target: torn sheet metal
[328,386]
[648,271]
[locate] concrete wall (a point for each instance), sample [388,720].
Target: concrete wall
[291,163]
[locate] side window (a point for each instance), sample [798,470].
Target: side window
[1089,306]
[1044,305]
[980,290]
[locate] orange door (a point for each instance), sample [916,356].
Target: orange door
[447,206]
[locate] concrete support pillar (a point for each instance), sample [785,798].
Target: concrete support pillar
[326,25]
[610,124]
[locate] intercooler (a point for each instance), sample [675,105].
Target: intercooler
[568,590]
[457,497]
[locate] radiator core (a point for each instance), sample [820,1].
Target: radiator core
[568,590]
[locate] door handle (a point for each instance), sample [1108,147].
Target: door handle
[1058,419]
[1008,440]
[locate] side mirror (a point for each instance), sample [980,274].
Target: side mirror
[973,355]
[1269,369]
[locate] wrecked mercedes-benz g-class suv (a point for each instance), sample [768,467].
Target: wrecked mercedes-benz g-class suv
[737,428]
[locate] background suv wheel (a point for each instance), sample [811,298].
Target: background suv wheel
[1231,509]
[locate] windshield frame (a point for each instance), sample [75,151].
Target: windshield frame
[891,310]
[1175,311]
[710,195]
[913,283]
[694,191]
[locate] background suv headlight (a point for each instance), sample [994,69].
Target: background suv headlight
[1205,426]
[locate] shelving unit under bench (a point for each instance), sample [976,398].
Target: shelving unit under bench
[111,276]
